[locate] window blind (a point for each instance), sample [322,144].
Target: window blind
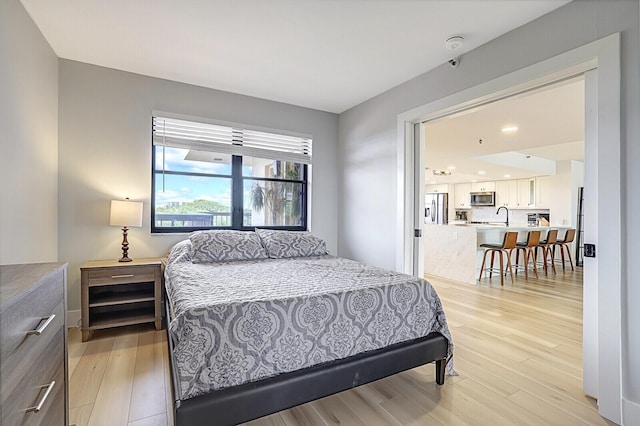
[178,133]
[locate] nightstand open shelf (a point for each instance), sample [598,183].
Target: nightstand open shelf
[118,319]
[116,294]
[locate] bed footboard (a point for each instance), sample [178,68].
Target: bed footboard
[260,398]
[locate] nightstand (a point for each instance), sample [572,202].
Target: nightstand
[115,294]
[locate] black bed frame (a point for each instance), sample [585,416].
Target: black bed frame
[251,400]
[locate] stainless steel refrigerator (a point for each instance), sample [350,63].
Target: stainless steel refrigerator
[436,209]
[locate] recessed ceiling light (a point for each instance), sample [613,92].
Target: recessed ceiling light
[509,129]
[441,172]
[451,167]
[507,176]
[474,180]
[481,172]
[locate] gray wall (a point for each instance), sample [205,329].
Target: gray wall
[368,140]
[105,153]
[29,144]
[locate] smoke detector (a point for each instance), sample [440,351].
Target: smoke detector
[454,42]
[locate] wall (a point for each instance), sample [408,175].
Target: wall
[368,140]
[29,146]
[105,153]
[560,192]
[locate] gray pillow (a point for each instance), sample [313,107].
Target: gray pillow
[281,244]
[225,246]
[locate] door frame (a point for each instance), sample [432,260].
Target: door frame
[603,57]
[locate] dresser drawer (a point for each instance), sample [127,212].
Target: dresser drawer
[25,314]
[122,275]
[27,354]
[47,367]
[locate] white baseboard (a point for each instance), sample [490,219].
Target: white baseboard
[73,318]
[630,412]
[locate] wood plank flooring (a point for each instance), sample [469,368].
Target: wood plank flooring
[518,352]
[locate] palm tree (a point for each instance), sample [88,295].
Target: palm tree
[281,199]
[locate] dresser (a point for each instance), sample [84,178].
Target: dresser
[115,294]
[33,344]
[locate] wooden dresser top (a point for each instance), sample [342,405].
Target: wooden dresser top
[14,279]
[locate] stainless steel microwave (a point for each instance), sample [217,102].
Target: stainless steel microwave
[482,199]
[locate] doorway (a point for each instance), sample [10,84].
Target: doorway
[600,62]
[523,154]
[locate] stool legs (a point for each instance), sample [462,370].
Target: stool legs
[553,258]
[564,247]
[546,252]
[503,271]
[529,253]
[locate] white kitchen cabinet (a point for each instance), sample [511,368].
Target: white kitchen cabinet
[507,193]
[438,188]
[527,193]
[461,195]
[483,186]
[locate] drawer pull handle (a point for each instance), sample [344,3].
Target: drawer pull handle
[38,406]
[121,276]
[38,331]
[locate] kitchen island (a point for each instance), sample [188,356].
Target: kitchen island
[453,251]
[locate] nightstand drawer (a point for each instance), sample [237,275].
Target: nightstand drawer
[121,275]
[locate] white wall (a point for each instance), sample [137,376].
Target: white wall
[368,140]
[29,143]
[559,195]
[105,153]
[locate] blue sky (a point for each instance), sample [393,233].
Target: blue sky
[189,188]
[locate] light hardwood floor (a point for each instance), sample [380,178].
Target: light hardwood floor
[518,352]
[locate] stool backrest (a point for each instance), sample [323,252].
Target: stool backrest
[533,239]
[570,235]
[510,240]
[552,236]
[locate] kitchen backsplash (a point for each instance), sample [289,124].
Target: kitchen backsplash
[516,217]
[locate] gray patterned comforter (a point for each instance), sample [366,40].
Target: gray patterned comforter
[242,321]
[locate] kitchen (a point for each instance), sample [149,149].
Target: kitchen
[518,161]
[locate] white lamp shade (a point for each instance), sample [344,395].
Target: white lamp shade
[126,213]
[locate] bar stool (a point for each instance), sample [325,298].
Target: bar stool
[547,248]
[528,249]
[564,245]
[507,246]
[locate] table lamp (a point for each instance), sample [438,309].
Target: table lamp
[125,213]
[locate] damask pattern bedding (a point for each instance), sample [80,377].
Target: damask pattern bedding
[237,322]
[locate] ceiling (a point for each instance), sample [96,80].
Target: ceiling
[328,55]
[550,124]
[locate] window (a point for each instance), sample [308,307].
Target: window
[212,176]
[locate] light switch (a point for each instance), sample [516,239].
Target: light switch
[589,250]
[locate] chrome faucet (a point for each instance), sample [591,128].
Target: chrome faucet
[503,207]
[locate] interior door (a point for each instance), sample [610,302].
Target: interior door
[590,359]
[419,195]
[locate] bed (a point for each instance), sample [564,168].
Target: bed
[263,321]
